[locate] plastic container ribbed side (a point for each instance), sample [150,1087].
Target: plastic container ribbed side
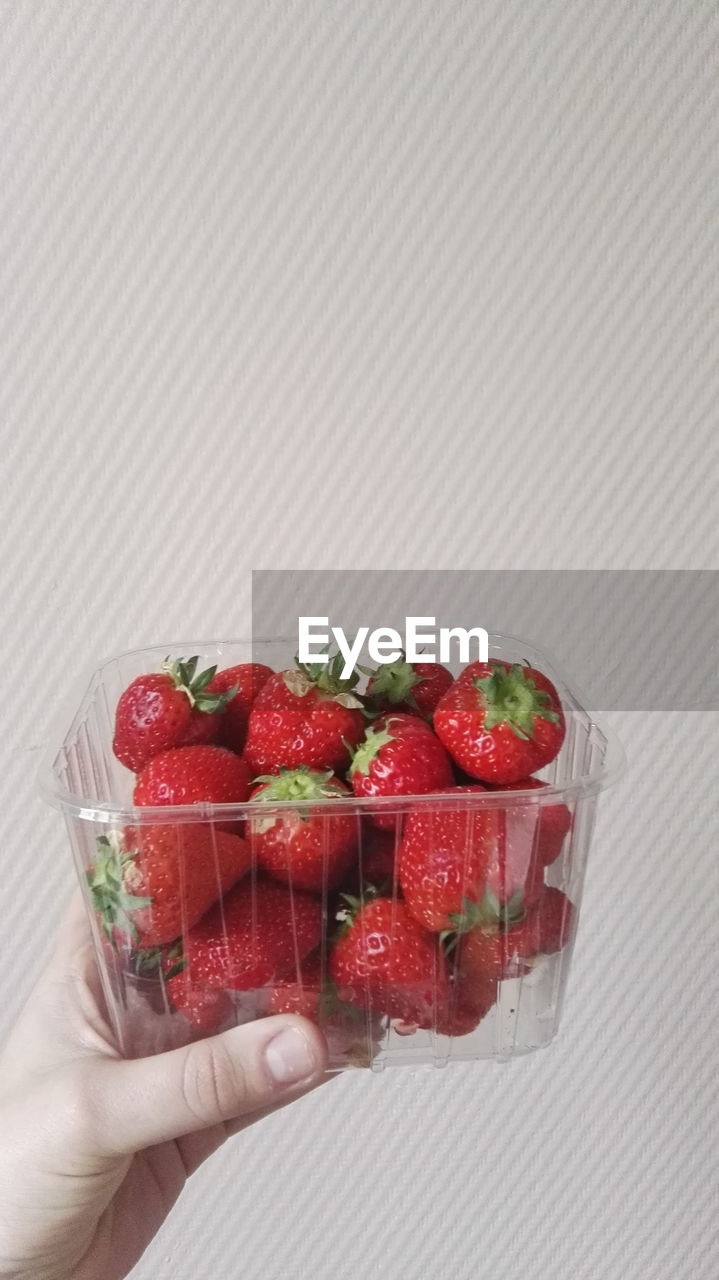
[509,1010]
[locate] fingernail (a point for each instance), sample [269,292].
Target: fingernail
[289,1056]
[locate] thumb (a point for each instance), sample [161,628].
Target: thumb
[137,1103]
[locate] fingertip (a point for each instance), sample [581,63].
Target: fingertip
[295,1051]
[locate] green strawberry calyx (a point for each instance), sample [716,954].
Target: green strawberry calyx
[511,697]
[330,1005]
[108,881]
[370,746]
[148,961]
[327,679]
[344,915]
[393,682]
[301,783]
[177,958]
[489,914]
[185,677]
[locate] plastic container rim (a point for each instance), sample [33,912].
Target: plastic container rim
[93,810]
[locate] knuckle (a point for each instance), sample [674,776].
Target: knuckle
[214,1084]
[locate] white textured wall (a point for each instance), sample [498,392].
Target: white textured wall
[369,285]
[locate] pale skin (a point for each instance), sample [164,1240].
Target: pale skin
[96,1149]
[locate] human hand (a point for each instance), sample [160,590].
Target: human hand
[96,1149]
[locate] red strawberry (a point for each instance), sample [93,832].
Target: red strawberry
[246,679]
[528,838]
[548,824]
[556,921]
[515,873]
[203,1007]
[372,871]
[515,876]
[496,953]
[308,847]
[351,1037]
[376,863]
[444,858]
[469,863]
[469,999]
[399,756]
[384,961]
[500,721]
[413,687]
[302,992]
[193,775]
[306,716]
[151,883]
[172,709]
[259,931]
[312,994]
[504,952]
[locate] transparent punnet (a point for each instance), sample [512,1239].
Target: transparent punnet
[484,992]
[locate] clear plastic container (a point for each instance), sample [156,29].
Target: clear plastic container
[93,790]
